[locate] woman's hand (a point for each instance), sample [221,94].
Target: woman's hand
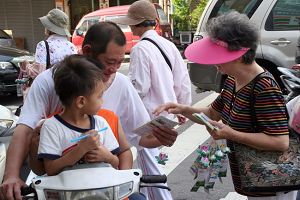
[173,108]
[181,119]
[222,132]
[23,65]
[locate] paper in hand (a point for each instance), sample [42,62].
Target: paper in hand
[159,121]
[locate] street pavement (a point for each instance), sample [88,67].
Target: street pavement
[181,154]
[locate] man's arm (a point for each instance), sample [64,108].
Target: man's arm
[125,156]
[36,165]
[16,154]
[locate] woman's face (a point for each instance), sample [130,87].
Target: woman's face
[224,68]
[228,68]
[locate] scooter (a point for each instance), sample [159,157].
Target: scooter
[91,181]
[7,125]
[291,80]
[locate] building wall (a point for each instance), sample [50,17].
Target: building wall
[21,17]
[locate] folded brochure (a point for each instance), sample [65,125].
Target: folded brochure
[159,121]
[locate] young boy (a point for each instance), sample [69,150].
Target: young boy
[78,83]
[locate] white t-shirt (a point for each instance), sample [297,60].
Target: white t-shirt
[120,98]
[152,77]
[56,136]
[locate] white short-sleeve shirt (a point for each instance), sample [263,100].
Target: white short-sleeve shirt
[56,136]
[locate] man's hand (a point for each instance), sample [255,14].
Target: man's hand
[164,135]
[10,189]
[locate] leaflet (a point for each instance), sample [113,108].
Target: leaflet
[159,121]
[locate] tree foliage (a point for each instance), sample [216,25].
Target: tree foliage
[184,18]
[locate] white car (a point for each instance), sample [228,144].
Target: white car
[279,25]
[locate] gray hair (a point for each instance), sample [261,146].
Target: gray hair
[237,31]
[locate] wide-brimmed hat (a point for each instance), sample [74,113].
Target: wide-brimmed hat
[56,21]
[207,51]
[138,12]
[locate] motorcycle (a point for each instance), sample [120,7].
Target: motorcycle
[291,80]
[91,181]
[7,125]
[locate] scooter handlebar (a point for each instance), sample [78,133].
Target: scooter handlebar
[154,179]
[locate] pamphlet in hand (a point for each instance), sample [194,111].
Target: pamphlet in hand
[205,120]
[159,121]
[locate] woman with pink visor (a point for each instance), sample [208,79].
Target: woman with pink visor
[230,46]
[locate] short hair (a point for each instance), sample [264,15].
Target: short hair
[100,34]
[237,31]
[75,76]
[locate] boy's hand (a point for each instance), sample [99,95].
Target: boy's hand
[92,142]
[97,155]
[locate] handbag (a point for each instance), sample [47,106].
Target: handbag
[267,171]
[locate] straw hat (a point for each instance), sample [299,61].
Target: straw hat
[138,12]
[56,21]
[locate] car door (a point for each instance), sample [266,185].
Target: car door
[280,31]
[81,29]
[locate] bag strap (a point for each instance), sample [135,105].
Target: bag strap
[252,100]
[48,65]
[163,54]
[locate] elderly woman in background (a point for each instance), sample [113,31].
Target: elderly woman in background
[52,50]
[230,46]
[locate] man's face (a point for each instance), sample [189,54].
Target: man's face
[111,59]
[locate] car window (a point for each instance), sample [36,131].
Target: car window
[87,23]
[125,28]
[247,7]
[284,16]
[163,19]
[4,35]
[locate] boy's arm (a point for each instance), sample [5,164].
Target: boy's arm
[102,154]
[53,167]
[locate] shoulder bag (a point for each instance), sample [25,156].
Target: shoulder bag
[267,171]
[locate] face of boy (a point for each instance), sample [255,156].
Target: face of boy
[111,59]
[95,101]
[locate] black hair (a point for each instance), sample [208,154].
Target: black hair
[237,31]
[147,23]
[100,34]
[75,76]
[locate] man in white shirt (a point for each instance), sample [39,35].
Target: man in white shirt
[157,70]
[106,43]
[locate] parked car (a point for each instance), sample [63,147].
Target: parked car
[163,28]
[278,22]
[6,40]
[10,58]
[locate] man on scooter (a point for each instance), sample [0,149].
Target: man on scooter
[106,43]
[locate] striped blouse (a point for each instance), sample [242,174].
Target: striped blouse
[269,108]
